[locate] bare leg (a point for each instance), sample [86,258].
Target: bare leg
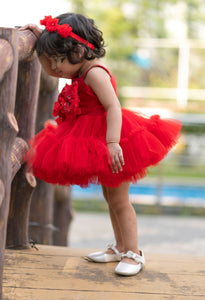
[116,229]
[123,214]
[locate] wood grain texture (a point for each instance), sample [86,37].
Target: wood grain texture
[22,185]
[6,57]
[63,273]
[26,44]
[19,149]
[8,131]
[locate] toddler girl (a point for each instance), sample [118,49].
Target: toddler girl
[95,141]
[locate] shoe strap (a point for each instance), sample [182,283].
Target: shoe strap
[113,248]
[136,257]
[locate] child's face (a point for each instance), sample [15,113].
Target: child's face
[63,68]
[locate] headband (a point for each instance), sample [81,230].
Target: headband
[63,30]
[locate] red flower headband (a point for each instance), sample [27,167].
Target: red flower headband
[63,30]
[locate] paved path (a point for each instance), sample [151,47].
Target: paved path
[157,234]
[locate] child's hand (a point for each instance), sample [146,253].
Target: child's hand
[36,30]
[116,157]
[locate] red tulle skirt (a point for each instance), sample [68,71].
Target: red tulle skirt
[75,152]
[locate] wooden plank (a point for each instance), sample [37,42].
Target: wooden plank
[79,275]
[50,255]
[63,273]
[37,294]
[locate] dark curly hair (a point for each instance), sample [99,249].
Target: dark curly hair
[52,43]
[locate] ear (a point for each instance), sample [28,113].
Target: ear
[80,52]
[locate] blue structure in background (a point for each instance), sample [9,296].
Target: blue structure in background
[181,194]
[143,61]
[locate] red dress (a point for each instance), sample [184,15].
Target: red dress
[75,150]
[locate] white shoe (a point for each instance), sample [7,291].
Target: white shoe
[104,257]
[129,269]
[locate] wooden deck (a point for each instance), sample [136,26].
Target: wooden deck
[59,273]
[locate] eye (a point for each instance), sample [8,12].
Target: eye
[62,59]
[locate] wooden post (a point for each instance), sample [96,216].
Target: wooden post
[26,43]
[41,213]
[6,57]
[19,149]
[22,188]
[8,127]
[63,215]
[27,96]
[25,111]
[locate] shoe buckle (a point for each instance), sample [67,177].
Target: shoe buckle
[134,256]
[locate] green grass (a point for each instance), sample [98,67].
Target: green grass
[171,170]
[90,205]
[100,206]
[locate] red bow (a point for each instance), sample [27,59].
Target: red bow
[63,30]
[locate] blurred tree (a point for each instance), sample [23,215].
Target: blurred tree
[123,21]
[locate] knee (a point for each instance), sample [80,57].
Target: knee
[118,204]
[118,198]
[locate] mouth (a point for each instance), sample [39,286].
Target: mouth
[60,73]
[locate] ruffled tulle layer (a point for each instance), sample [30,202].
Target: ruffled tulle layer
[75,152]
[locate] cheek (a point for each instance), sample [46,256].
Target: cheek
[65,67]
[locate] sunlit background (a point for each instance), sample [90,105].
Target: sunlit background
[156,50]
[19,13]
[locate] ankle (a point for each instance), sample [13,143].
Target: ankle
[134,250]
[120,248]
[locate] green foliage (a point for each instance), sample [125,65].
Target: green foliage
[124,21]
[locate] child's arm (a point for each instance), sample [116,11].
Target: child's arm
[99,80]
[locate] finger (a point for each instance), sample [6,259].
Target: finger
[114,166]
[22,28]
[121,159]
[111,164]
[27,26]
[118,163]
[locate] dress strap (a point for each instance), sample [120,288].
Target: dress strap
[99,66]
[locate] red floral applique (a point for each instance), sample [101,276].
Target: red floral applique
[64,30]
[68,103]
[50,23]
